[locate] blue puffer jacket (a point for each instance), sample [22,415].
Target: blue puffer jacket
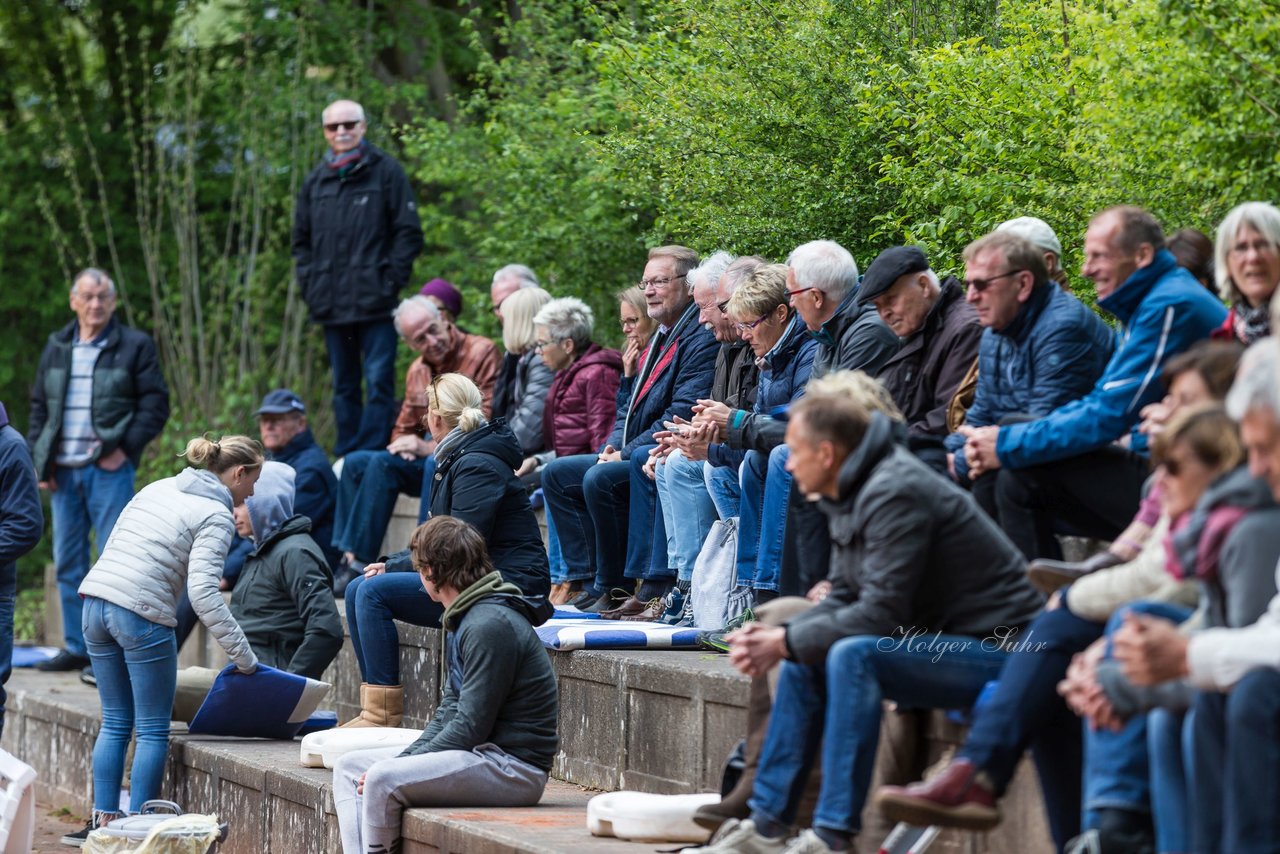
[1163,310]
[673,376]
[782,380]
[1049,355]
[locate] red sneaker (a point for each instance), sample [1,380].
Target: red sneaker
[960,796]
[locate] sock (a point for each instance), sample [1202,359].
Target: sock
[575,586]
[763,596]
[654,589]
[836,840]
[684,586]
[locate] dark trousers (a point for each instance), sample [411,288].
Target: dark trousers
[1094,495]
[367,492]
[1235,754]
[1026,712]
[363,351]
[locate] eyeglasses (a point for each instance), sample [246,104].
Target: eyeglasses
[751,327]
[539,346]
[435,330]
[723,307]
[658,284]
[332,127]
[798,291]
[981,285]
[1259,247]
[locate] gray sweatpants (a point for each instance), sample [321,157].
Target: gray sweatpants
[482,777]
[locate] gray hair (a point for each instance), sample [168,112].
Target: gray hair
[709,271]
[359,109]
[1261,217]
[568,317]
[417,301]
[736,272]
[1256,381]
[99,277]
[520,272]
[825,265]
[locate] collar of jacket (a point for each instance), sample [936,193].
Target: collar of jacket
[1025,320]
[490,585]
[1124,301]
[918,340]
[294,447]
[110,334]
[371,154]
[846,312]
[782,352]
[4,417]
[1236,488]
[643,377]
[883,434]
[495,434]
[295,524]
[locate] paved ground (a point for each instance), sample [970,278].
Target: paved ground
[50,825]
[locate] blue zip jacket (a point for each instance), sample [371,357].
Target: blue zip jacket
[673,376]
[1162,310]
[1049,355]
[782,380]
[21,519]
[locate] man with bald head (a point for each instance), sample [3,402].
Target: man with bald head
[355,236]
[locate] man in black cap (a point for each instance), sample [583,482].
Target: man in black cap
[940,334]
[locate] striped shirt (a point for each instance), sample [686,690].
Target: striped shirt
[77,443]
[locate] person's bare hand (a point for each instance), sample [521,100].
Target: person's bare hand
[650,468]
[113,461]
[712,412]
[1156,415]
[409,447]
[755,649]
[1055,601]
[608,455]
[360,783]
[630,358]
[980,449]
[1150,650]
[819,591]
[527,467]
[698,439]
[372,569]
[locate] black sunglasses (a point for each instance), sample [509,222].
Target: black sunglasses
[332,127]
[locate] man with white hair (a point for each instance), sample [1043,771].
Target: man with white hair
[98,398]
[355,236]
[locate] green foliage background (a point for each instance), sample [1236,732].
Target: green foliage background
[165,140]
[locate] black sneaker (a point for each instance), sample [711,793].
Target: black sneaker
[78,839]
[87,677]
[63,662]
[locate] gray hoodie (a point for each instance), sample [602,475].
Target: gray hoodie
[272,500]
[173,534]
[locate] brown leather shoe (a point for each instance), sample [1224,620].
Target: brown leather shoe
[629,607]
[960,796]
[1049,575]
[652,612]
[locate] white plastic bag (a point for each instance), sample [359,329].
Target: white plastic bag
[714,574]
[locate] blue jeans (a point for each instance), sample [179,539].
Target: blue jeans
[1235,751]
[363,351]
[838,705]
[723,487]
[687,511]
[371,482]
[766,488]
[555,560]
[1026,712]
[591,504]
[373,605]
[136,665]
[86,498]
[1117,774]
[646,552]
[6,644]
[1169,783]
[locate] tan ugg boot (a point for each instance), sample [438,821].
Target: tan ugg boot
[380,705]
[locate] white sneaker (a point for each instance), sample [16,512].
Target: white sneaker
[807,842]
[744,839]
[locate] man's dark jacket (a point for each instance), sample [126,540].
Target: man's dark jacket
[910,552]
[1050,354]
[283,602]
[130,400]
[21,519]
[852,339]
[674,374]
[354,239]
[736,376]
[315,488]
[924,375]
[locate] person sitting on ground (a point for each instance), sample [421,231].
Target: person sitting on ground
[1247,267]
[475,481]
[492,740]
[1041,347]
[372,480]
[940,335]
[527,388]
[605,512]
[913,557]
[173,534]
[1201,375]
[1065,467]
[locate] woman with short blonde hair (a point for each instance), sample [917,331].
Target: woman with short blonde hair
[521,395]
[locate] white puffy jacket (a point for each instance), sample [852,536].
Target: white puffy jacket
[175,531]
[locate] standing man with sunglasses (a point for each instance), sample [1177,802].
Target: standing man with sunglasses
[355,236]
[1041,348]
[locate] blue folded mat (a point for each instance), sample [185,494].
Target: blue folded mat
[267,703]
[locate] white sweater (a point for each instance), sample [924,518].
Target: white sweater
[1219,658]
[174,533]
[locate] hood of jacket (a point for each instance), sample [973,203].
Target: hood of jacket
[597,355]
[203,483]
[795,336]
[883,433]
[491,585]
[494,438]
[295,524]
[1124,301]
[272,500]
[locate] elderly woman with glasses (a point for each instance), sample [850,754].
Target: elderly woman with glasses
[1247,267]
